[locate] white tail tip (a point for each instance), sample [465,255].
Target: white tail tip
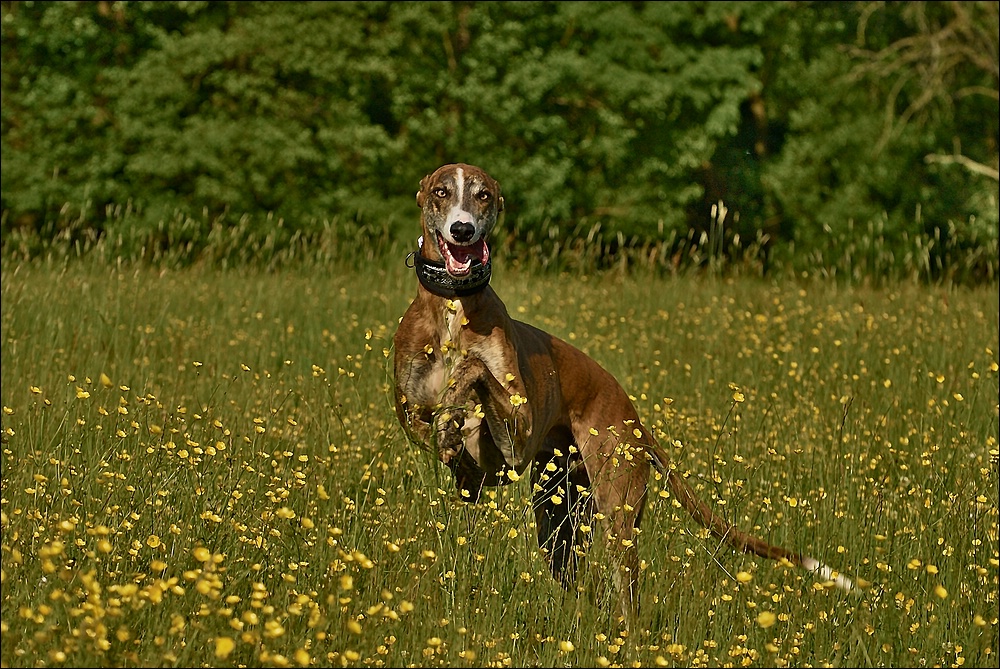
[827,574]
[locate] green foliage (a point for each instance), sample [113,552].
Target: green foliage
[617,124]
[839,169]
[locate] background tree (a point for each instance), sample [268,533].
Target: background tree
[951,59]
[610,124]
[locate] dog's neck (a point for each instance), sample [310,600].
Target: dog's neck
[435,278]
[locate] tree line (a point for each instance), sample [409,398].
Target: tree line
[621,123]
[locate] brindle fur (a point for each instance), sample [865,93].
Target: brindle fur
[463,367]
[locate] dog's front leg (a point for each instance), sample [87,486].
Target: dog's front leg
[474,397]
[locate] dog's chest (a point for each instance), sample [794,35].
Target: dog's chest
[452,343]
[452,348]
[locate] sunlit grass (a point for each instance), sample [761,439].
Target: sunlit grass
[204,467]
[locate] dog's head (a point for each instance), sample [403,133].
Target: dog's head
[459,207]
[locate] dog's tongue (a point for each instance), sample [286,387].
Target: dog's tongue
[458,259]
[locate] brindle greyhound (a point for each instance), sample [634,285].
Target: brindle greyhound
[491,396]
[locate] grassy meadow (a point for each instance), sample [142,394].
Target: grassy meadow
[202,467]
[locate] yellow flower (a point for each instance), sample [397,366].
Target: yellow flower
[766,618]
[744,577]
[940,591]
[224,645]
[566,646]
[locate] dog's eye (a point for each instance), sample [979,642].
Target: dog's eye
[484,195]
[440,192]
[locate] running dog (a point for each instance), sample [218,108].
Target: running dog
[493,397]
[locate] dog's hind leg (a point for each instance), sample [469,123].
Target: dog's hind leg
[619,472]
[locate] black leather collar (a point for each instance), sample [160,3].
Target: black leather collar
[435,278]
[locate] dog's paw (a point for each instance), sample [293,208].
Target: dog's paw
[450,441]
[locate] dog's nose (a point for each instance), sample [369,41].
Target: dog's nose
[462,232]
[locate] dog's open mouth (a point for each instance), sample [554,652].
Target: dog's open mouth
[458,260]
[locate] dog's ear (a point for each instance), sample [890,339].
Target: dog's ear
[500,204]
[422,193]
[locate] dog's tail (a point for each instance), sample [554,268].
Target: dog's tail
[741,541]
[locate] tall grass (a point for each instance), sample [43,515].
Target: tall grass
[964,253]
[202,466]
